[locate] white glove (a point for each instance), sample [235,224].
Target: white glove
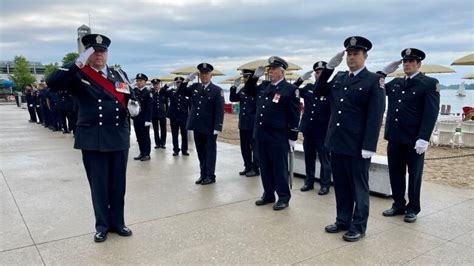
[192,76]
[390,68]
[259,72]
[216,132]
[306,75]
[147,124]
[133,108]
[292,143]
[367,154]
[81,61]
[421,146]
[237,82]
[335,61]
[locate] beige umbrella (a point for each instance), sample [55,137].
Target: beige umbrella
[263,62]
[427,69]
[467,60]
[291,76]
[167,78]
[469,76]
[229,80]
[190,69]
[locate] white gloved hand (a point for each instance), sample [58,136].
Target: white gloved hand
[390,68]
[147,124]
[292,143]
[81,61]
[306,75]
[237,82]
[335,61]
[216,132]
[421,146]
[133,108]
[367,154]
[192,76]
[259,72]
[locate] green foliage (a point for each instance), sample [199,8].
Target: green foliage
[50,68]
[21,75]
[70,57]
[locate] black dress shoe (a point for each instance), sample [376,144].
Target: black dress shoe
[100,236]
[252,173]
[307,188]
[199,180]
[261,202]
[352,236]
[393,212]
[335,228]
[410,217]
[145,158]
[280,206]
[175,153]
[124,231]
[185,153]
[207,181]
[323,191]
[245,171]
[163,147]
[138,157]
[157,146]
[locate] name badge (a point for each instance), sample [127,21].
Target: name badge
[276,98]
[122,87]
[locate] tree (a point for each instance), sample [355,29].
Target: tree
[21,74]
[50,68]
[69,58]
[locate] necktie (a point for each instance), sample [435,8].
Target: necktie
[103,74]
[351,75]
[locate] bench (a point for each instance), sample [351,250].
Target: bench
[379,182]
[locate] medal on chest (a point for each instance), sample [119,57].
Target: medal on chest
[122,87]
[276,98]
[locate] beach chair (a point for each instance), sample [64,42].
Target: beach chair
[467,130]
[446,131]
[443,109]
[448,109]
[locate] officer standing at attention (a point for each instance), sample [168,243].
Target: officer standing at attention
[248,107]
[142,122]
[314,126]
[413,106]
[357,99]
[160,108]
[206,118]
[178,115]
[30,102]
[276,129]
[103,132]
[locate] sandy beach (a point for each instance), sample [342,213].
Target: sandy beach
[439,166]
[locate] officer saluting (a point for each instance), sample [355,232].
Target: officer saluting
[160,108]
[142,122]
[413,106]
[276,129]
[102,131]
[357,100]
[248,107]
[206,118]
[314,126]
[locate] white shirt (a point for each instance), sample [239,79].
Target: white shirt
[276,83]
[357,71]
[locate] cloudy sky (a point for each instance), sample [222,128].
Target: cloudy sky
[156,37]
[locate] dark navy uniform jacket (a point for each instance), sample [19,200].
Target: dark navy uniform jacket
[207,107]
[65,101]
[357,107]
[145,99]
[278,110]
[102,122]
[413,108]
[179,105]
[248,108]
[160,104]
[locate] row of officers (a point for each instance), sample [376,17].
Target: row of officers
[340,124]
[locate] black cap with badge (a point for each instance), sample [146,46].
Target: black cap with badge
[275,61]
[319,65]
[413,53]
[141,76]
[179,79]
[357,42]
[98,41]
[205,67]
[155,81]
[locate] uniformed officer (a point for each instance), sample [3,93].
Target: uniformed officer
[248,107]
[142,122]
[65,108]
[178,115]
[276,129]
[314,126]
[205,118]
[30,102]
[413,106]
[53,99]
[357,99]
[45,112]
[103,132]
[160,108]
[37,101]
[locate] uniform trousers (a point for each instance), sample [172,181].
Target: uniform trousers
[159,130]
[143,137]
[273,158]
[176,128]
[315,147]
[249,150]
[206,149]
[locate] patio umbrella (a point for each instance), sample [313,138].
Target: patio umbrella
[263,62]
[427,69]
[291,76]
[190,69]
[167,78]
[229,80]
[469,76]
[465,60]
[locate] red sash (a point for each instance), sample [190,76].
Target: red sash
[104,83]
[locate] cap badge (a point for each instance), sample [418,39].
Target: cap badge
[98,39]
[408,51]
[353,41]
[320,64]
[204,65]
[271,60]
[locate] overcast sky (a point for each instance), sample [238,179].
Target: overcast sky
[156,37]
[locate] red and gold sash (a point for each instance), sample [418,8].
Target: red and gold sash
[104,83]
